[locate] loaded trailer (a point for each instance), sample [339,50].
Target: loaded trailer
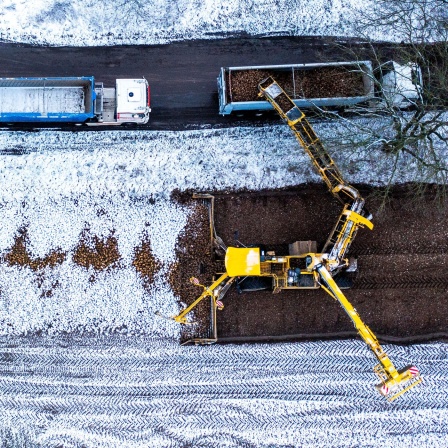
[74,100]
[327,84]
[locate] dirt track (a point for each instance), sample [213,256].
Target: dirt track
[401,287]
[182,75]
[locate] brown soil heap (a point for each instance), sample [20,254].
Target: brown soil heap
[194,259]
[144,261]
[18,255]
[92,251]
[330,82]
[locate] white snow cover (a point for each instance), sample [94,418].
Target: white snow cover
[115,393]
[29,99]
[116,298]
[99,22]
[157,162]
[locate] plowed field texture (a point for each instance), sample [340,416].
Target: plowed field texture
[400,288]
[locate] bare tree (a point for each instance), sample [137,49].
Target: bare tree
[415,131]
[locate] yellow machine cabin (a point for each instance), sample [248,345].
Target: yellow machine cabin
[287,272]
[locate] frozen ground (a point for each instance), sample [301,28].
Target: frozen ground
[118,393]
[99,22]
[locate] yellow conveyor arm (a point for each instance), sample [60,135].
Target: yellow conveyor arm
[393,383]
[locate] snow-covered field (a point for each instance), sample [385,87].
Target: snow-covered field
[94,22]
[116,393]
[119,183]
[100,22]
[140,389]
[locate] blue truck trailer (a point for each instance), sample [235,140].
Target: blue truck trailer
[74,100]
[324,84]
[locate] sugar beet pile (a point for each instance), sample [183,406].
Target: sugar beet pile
[325,82]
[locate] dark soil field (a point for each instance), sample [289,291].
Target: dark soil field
[400,289]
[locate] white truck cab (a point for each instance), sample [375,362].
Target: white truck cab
[132,101]
[401,84]
[128,102]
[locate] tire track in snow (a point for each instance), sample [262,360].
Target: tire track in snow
[117,392]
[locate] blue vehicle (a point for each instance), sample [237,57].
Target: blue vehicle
[73,100]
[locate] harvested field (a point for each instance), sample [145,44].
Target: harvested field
[400,289]
[323,82]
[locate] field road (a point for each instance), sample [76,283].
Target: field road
[182,75]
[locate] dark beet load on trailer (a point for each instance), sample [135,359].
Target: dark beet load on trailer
[326,84]
[337,84]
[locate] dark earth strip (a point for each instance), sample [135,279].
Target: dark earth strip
[400,289]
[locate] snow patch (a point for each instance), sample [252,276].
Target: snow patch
[91,23]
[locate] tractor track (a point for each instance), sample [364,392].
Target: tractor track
[112,391]
[403,283]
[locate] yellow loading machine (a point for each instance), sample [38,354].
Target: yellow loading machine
[307,270]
